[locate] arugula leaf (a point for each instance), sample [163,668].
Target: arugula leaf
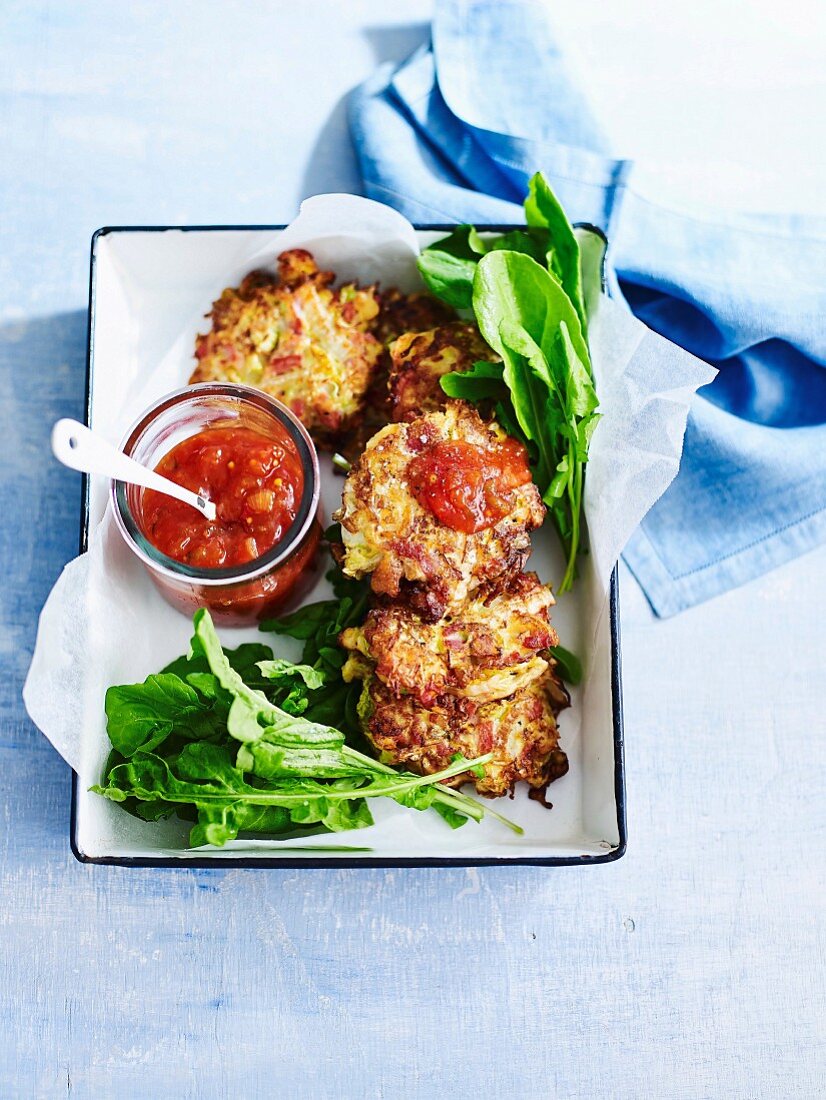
[143,716]
[477,769]
[564,496]
[243,659]
[207,686]
[357,591]
[337,816]
[505,415]
[290,686]
[318,625]
[283,672]
[305,622]
[273,761]
[593,245]
[219,823]
[512,286]
[533,241]
[526,316]
[200,761]
[150,811]
[568,664]
[533,400]
[455,818]
[578,386]
[448,266]
[542,208]
[483,380]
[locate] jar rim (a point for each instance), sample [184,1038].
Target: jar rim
[169,567]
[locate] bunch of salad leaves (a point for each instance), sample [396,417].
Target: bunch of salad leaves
[318,625]
[231,741]
[531,291]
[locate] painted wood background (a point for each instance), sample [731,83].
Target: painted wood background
[692,968]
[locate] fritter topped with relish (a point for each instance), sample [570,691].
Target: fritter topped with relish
[297,338]
[490,648]
[418,360]
[520,731]
[437,507]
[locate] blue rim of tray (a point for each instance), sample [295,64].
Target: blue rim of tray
[275,862]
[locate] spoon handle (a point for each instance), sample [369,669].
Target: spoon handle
[79,448]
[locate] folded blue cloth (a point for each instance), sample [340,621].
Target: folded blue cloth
[454,133]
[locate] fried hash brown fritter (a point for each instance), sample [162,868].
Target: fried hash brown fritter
[486,651]
[520,731]
[298,339]
[400,313]
[387,533]
[418,360]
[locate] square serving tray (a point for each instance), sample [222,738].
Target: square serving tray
[149,288]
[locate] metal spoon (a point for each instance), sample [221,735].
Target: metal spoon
[79,448]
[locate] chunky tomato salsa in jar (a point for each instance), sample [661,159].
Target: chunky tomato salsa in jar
[254,460]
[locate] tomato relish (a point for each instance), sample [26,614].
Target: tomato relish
[468,487]
[255,482]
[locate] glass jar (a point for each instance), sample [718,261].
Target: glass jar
[240,594]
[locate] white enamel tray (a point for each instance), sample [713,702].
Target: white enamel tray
[149,290]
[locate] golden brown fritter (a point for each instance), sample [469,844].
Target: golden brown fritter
[387,533]
[418,360]
[298,339]
[520,731]
[400,313]
[490,648]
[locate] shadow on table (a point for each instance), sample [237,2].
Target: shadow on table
[332,165]
[42,377]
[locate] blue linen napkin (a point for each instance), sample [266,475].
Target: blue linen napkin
[454,133]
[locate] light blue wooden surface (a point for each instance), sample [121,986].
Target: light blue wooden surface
[692,968]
